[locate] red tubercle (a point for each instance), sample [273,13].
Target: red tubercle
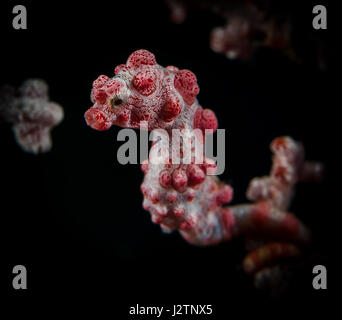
[154,197]
[165,179]
[179,180]
[141,57]
[224,195]
[100,81]
[213,187]
[146,205]
[189,223]
[145,82]
[195,175]
[205,119]
[156,219]
[209,166]
[171,109]
[144,190]
[161,212]
[99,95]
[209,120]
[97,119]
[178,211]
[186,84]
[171,197]
[122,116]
[190,195]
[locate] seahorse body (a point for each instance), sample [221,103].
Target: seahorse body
[183,196]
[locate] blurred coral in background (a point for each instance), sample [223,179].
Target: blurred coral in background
[31,114]
[254,24]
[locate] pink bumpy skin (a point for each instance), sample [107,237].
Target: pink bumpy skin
[184,197]
[142,90]
[31,114]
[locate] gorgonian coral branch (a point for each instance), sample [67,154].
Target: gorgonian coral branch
[254,24]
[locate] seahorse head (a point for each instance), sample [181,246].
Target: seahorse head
[141,90]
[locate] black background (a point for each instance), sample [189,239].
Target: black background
[73,216]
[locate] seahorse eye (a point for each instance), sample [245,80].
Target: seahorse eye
[115,102]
